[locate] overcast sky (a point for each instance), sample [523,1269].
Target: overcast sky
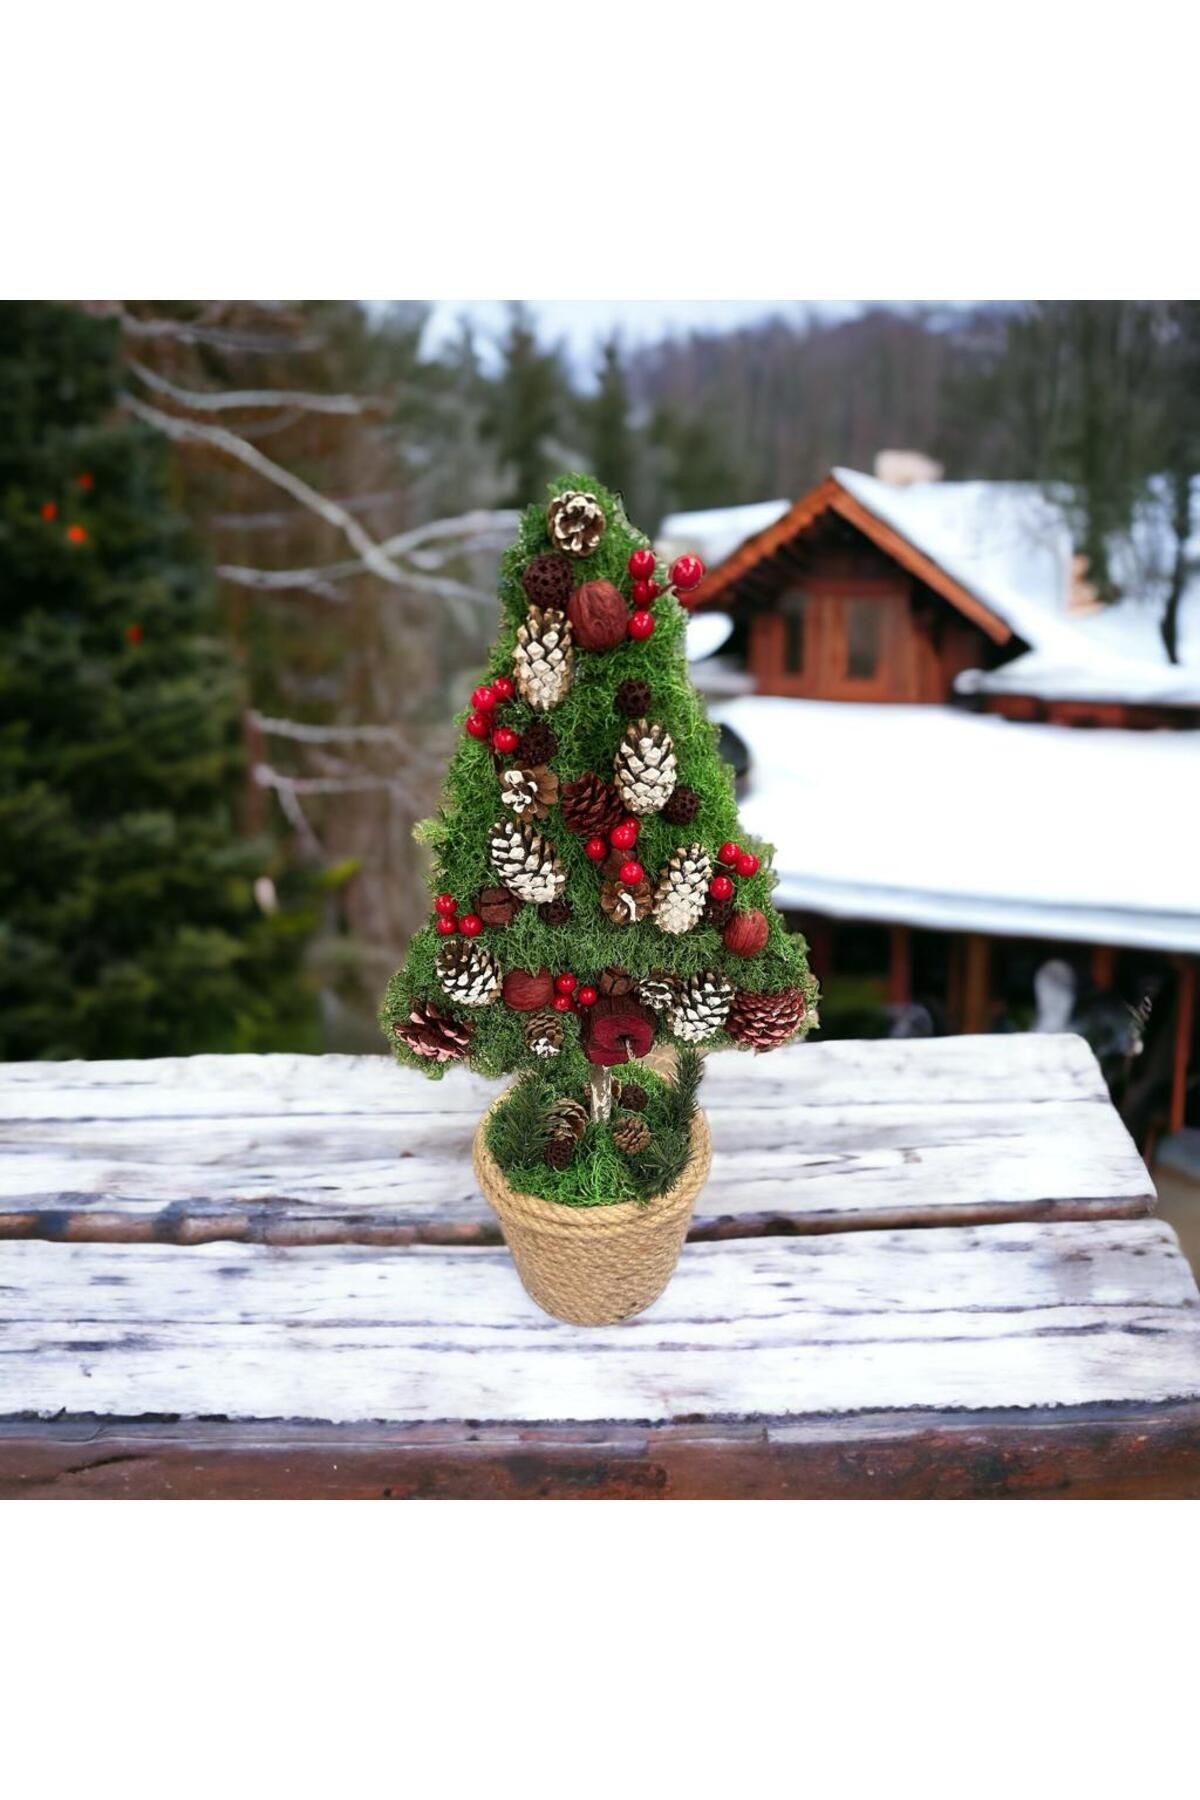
[579,324]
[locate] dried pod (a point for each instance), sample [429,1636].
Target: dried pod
[746,933]
[497,905]
[616,1028]
[528,990]
[599,616]
[548,579]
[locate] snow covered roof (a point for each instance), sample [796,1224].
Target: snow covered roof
[1006,548]
[928,816]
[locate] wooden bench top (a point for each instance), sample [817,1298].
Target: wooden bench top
[918,1268]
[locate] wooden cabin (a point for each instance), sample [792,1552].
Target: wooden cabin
[959,598]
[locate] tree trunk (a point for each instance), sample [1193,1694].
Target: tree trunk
[1181,522]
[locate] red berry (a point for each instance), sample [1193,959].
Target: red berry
[747,863]
[644,592]
[85,482]
[502,687]
[587,996]
[445,925]
[641,564]
[623,836]
[641,625]
[505,739]
[721,888]
[470,924]
[476,725]
[729,853]
[687,572]
[563,1003]
[564,983]
[446,904]
[134,634]
[596,848]
[632,872]
[49,510]
[483,699]
[76,534]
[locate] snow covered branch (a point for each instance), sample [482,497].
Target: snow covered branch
[249,398]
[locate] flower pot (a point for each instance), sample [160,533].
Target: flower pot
[595,1265]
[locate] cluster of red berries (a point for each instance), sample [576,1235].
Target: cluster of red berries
[622,837]
[481,721]
[687,572]
[569,996]
[742,862]
[449,921]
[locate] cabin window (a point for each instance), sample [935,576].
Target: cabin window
[864,636]
[792,610]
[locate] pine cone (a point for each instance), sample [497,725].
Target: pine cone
[591,807]
[632,1096]
[682,807]
[525,862]
[656,991]
[543,658]
[764,1021]
[625,905]
[634,698]
[699,1007]
[575,521]
[717,912]
[536,746]
[559,1153]
[469,972]
[555,912]
[497,905]
[682,890]
[428,1033]
[566,1121]
[645,768]
[631,1135]
[615,981]
[529,792]
[544,1033]
[548,580]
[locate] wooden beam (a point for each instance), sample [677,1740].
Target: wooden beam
[1185,1018]
[976,994]
[1104,966]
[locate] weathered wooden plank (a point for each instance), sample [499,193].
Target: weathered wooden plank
[1011,1316]
[1096,1453]
[952,1070]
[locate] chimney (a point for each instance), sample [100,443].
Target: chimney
[905,468]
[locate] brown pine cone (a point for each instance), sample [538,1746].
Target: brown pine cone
[536,745]
[555,912]
[682,807]
[717,912]
[543,1033]
[575,520]
[591,807]
[548,580]
[634,698]
[631,1135]
[497,905]
[764,1021]
[626,905]
[615,981]
[632,1097]
[428,1033]
[566,1118]
[559,1153]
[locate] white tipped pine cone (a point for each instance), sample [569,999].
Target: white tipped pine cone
[645,768]
[656,992]
[427,1033]
[525,862]
[699,1007]
[543,658]
[530,792]
[682,890]
[623,904]
[469,972]
[544,1033]
[575,521]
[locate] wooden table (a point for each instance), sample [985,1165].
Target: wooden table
[922,1269]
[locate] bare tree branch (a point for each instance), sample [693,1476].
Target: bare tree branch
[478,530]
[188,331]
[330,734]
[249,398]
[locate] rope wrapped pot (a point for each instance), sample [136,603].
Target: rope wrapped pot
[594,1265]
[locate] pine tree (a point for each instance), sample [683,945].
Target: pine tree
[594,897]
[526,407]
[610,437]
[128,918]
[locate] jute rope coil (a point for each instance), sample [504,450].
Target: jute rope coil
[594,1265]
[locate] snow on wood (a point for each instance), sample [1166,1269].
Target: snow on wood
[1029,1315]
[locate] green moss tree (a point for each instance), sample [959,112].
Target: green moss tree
[586,752]
[129,924]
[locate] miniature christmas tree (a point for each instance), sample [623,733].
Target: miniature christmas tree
[595,897]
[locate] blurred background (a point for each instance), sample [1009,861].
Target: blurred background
[951,630]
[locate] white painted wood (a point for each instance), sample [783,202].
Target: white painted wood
[950,1070]
[1031,1315]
